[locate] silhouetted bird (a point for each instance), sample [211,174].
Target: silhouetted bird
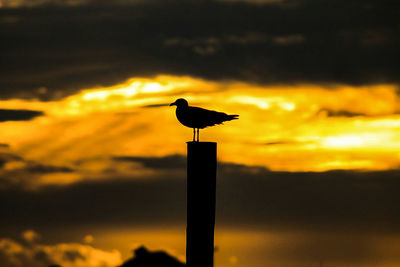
[199,118]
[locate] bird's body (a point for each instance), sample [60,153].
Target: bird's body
[194,117]
[199,118]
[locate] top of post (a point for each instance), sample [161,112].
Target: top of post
[202,145]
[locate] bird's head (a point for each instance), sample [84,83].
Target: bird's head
[180,103]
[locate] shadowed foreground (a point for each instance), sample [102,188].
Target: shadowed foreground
[145,258]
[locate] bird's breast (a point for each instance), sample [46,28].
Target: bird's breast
[184,117]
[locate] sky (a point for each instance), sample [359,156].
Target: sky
[93,159]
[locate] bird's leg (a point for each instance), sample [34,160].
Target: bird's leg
[198,135]
[194,134]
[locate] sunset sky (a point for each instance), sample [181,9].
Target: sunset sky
[93,159]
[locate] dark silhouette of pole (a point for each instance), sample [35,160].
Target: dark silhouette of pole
[201,183]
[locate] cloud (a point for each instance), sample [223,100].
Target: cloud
[211,45]
[16,171]
[300,115]
[30,236]
[340,113]
[246,195]
[289,39]
[306,43]
[155,106]
[339,216]
[261,2]
[35,3]
[88,239]
[15,254]
[159,163]
[69,3]
[280,142]
[8,157]
[18,115]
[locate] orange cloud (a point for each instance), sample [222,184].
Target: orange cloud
[65,254]
[297,128]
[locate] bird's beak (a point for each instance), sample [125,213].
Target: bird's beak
[173,104]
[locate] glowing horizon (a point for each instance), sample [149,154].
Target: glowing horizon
[282,128]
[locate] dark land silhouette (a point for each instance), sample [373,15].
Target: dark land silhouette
[142,257]
[145,258]
[199,118]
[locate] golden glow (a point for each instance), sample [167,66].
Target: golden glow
[264,103]
[230,243]
[298,128]
[127,90]
[14,165]
[137,86]
[257,247]
[259,103]
[344,141]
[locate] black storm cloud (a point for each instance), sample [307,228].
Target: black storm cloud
[51,50]
[18,114]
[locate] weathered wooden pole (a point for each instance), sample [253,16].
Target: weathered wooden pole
[201,183]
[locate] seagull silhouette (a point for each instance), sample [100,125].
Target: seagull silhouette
[199,118]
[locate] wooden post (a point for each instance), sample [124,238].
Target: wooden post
[201,183]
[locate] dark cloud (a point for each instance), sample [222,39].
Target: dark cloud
[51,51]
[7,156]
[40,168]
[340,113]
[14,253]
[335,199]
[73,256]
[246,195]
[338,216]
[280,142]
[155,106]
[24,173]
[42,257]
[334,248]
[18,115]
[159,163]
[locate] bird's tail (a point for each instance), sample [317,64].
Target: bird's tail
[233,117]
